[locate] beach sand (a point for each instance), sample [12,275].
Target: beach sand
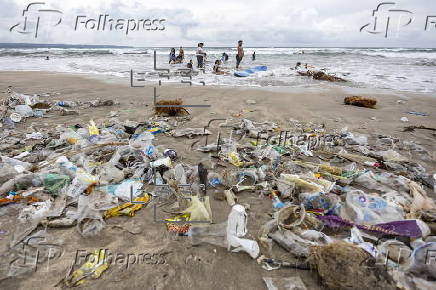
[205,266]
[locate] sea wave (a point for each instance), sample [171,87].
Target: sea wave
[61,53]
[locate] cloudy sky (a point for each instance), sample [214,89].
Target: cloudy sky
[223,22]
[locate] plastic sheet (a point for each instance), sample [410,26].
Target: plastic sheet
[237,229]
[367,209]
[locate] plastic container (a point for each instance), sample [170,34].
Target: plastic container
[24,110]
[141,141]
[161,162]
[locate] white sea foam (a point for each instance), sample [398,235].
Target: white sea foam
[392,68]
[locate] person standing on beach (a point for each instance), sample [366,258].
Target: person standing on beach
[240,54]
[200,55]
[254,56]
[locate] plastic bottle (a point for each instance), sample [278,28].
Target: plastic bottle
[180,174]
[24,110]
[66,104]
[66,166]
[71,136]
[164,161]
[142,141]
[277,203]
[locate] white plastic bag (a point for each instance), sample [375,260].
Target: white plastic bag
[366,209]
[237,228]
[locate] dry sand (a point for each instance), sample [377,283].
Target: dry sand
[205,266]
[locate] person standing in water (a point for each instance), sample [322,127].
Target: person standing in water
[240,54]
[254,56]
[200,55]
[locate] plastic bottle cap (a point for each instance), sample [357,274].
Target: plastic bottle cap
[15,117]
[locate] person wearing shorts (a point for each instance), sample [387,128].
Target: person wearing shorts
[200,55]
[240,54]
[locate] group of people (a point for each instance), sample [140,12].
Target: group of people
[201,58]
[179,58]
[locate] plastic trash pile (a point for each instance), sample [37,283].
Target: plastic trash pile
[355,208]
[17,107]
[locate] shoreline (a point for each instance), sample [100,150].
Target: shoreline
[322,86]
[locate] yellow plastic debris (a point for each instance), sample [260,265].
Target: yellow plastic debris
[331,169]
[93,130]
[93,268]
[199,210]
[128,208]
[235,160]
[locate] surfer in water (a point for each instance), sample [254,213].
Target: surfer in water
[240,54]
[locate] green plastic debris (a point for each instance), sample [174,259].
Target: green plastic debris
[53,182]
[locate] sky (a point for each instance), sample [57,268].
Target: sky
[272,23]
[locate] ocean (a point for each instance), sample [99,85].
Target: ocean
[400,69]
